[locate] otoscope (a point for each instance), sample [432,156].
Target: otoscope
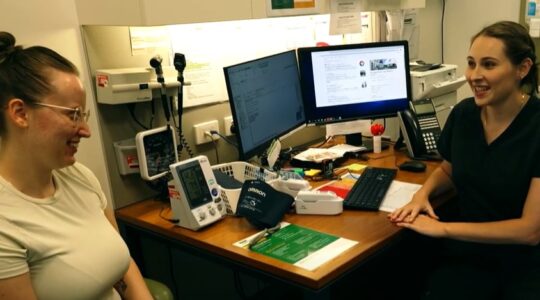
[180,65]
[155,62]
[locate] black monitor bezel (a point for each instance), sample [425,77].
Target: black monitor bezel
[246,154]
[370,110]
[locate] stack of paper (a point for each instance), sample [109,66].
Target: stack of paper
[320,154]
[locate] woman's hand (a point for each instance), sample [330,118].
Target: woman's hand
[425,225]
[409,212]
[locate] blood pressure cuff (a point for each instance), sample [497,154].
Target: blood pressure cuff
[262,205]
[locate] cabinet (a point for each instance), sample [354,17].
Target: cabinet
[163,12]
[167,12]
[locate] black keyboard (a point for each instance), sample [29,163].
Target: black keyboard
[369,190]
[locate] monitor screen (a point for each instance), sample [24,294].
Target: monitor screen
[357,81]
[266,100]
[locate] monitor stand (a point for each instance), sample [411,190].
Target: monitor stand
[369,145]
[355,139]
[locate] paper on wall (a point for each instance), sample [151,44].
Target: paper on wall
[345,17]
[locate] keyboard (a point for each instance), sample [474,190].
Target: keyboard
[369,190]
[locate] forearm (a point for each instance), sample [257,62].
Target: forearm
[513,231]
[134,286]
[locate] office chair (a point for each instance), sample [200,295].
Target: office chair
[158,290]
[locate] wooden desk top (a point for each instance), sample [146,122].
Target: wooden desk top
[372,230]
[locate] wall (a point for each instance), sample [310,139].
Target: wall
[54,24]
[477,14]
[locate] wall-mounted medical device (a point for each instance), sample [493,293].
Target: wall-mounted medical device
[194,194]
[119,86]
[156,151]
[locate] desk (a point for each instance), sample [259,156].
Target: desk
[372,230]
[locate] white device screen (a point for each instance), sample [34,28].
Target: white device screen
[194,184]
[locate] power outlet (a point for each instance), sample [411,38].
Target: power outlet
[228,121]
[201,128]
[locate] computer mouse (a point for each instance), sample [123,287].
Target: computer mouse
[413,166]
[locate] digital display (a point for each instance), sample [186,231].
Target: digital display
[160,152]
[422,109]
[194,184]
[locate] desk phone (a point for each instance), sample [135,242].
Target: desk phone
[420,129]
[194,193]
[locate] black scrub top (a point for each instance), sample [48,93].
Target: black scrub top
[492,181]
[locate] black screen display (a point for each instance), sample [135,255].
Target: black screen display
[160,152]
[194,184]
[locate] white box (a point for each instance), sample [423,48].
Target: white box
[126,156]
[128,85]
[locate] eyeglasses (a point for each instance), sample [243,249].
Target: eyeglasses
[76,114]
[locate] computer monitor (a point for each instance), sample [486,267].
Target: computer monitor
[356,81]
[266,100]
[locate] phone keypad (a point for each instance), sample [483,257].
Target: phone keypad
[430,131]
[430,140]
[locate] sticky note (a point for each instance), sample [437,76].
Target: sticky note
[312,172]
[356,167]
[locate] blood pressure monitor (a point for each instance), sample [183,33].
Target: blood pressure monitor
[194,193]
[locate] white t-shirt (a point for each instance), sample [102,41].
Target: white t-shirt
[66,243]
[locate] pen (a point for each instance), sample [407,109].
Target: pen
[257,238]
[267,232]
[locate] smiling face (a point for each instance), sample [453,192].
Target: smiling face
[490,73]
[54,135]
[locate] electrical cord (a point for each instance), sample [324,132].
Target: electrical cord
[153,114]
[184,145]
[160,185]
[131,108]
[328,138]
[226,139]
[174,221]
[209,134]
[442,30]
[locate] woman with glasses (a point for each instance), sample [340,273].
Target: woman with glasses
[57,234]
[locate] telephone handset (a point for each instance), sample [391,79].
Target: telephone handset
[421,129]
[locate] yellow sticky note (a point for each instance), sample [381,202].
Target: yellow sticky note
[312,172]
[356,167]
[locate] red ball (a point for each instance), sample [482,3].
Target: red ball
[377,129]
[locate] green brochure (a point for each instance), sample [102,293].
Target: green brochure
[293,243]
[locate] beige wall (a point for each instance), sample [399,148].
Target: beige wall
[463,19]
